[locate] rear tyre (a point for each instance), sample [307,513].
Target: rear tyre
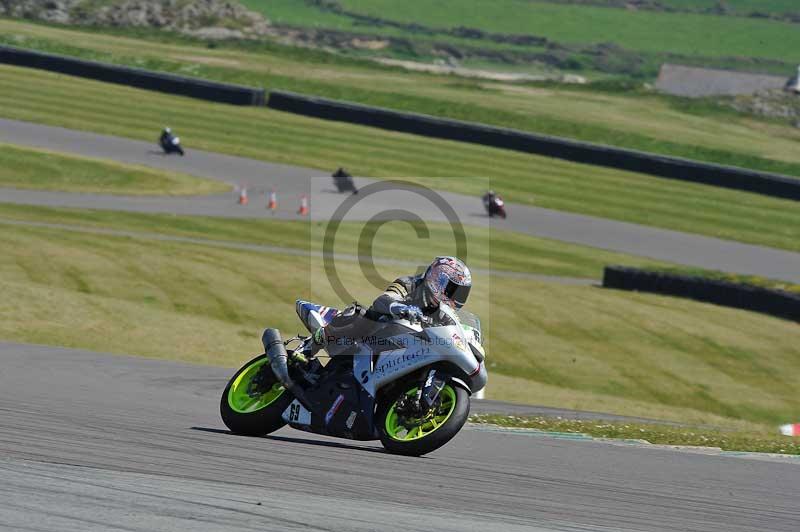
[411,436]
[254,400]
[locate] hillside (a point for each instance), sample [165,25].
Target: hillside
[593,37]
[534,39]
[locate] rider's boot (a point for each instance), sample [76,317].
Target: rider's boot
[315,343]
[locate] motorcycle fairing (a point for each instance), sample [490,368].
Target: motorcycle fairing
[344,408]
[376,366]
[418,348]
[444,344]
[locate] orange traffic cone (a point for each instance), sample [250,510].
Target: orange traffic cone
[272,204]
[303,210]
[243,196]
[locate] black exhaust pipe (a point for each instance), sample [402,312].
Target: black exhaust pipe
[279,362]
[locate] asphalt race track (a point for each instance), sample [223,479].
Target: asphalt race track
[291,182]
[103,442]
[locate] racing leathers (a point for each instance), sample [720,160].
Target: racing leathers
[405,298]
[165,138]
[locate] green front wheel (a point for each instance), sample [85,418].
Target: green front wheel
[418,434]
[254,401]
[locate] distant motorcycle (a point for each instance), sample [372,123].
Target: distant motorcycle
[170,144]
[344,181]
[408,385]
[495,206]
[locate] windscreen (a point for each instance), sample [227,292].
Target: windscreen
[472,321]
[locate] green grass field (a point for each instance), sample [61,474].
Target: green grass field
[597,38]
[268,135]
[635,120]
[487,249]
[738,7]
[647,31]
[45,170]
[552,344]
[752,440]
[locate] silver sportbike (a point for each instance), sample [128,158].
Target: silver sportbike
[406,384]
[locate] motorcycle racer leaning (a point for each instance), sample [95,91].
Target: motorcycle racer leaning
[166,136]
[447,280]
[489,198]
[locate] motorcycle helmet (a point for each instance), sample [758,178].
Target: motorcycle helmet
[167,130]
[447,280]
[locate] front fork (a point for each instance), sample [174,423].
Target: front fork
[431,385]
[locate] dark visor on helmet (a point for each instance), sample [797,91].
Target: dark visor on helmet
[457,293]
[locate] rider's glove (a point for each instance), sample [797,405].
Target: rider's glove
[408,312]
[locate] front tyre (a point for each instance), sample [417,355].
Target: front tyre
[254,401]
[405,433]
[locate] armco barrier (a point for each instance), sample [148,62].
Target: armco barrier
[582,152]
[774,302]
[134,77]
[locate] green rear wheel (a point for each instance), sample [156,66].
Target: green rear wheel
[254,400]
[416,435]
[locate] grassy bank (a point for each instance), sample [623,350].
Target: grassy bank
[645,31]
[604,36]
[635,354]
[636,119]
[268,135]
[46,170]
[737,7]
[487,249]
[754,440]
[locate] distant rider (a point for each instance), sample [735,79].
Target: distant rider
[344,180]
[493,204]
[489,198]
[447,280]
[341,172]
[166,136]
[169,142]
